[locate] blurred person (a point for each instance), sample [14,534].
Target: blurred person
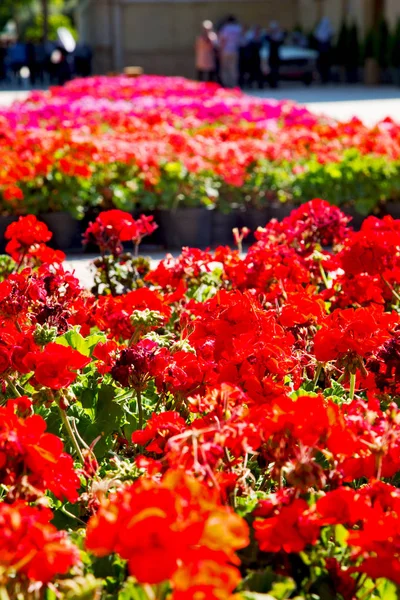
[3,69]
[243,57]
[254,49]
[229,42]
[206,48]
[83,60]
[50,66]
[275,38]
[31,62]
[61,67]
[16,57]
[299,39]
[323,35]
[40,62]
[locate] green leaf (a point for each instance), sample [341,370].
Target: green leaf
[341,535]
[388,590]
[109,416]
[75,340]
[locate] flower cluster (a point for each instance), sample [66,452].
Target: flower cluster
[156,142]
[226,427]
[177,524]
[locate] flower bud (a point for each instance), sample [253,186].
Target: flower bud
[44,334]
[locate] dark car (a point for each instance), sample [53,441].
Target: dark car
[297,64]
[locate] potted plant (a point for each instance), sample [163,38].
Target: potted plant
[60,203]
[185,205]
[226,215]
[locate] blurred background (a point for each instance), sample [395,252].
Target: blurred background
[303,42]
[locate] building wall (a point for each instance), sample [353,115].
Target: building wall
[353,10]
[159,35]
[393,11]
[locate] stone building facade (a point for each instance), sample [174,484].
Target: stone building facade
[158,35]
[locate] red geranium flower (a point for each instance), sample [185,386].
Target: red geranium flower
[28,231]
[56,367]
[26,449]
[31,545]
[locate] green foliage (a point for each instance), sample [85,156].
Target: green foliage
[9,9]
[119,275]
[34,30]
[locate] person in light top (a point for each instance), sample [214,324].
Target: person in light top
[230,38]
[206,48]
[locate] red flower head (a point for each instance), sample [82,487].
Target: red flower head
[288,529]
[353,332]
[159,429]
[26,449]
[134,367]
[115,226]
[374,249]
[57,365]
[159,526]
[315,223]
[29,544]
[28,231]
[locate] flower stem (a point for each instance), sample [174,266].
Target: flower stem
[352,385]
[395,294]
[70,432]
[140,408]
[13,388]
[317,376]
[323,275]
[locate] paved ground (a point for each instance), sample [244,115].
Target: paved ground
[370,104]
[80,265]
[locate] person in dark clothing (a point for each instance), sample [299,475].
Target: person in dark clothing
[83,60]
[323,35]
[31,62]
[275,38]
[61,70]
[244,65]
[3,70]
[254,59]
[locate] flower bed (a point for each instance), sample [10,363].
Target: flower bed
[161,143]
[223,426]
